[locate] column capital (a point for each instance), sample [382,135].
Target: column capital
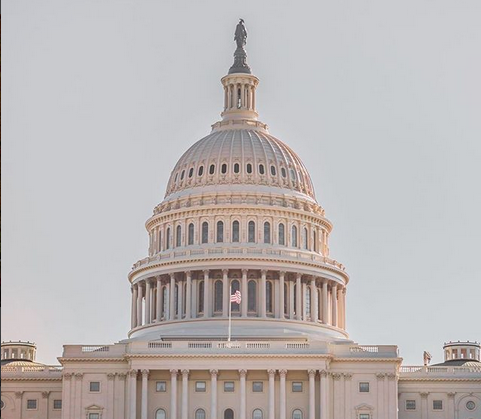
[311,372]
[145,373]
[347,376]
[18,394]
[424,394]
[110,376]
[282,273]
[298,275]
[391,376]
[271,372]
[45,394]
[245,271]
[263,272]
[79,375]
[132,373]
[185,373]
[67,375]
[214,373]
[159,278]
[174,373]
[172,276]
[451,394]
[206,272]
[380,375]
[242,373]
[282,373]
[323,373]
[188,273]
[122,375]
[225,272]
[336,376]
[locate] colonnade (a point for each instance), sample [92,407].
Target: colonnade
[265,294]
[239,96]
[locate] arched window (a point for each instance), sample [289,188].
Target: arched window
[283,172]
[294,236]
[307,305]
[297,414]
[160,241]
[200,305]
[295,298]
[165,299]
[167,239]
[182,175]
[191,172]
[249,168]
[220,231]
[305,237]
[286,298]
[178,238]
[218,293]
[282,235]
[212,169]
[234,286]
[269,296]
[252,296]
[191,234]
[160,414]
[257,414]
[235,232]
[273,170]
[223,169]
[176,299]
[200,414]
[205,232]
[252,232]
[267,232]
[228,414]
[261,169]
[236,168]
[201,171]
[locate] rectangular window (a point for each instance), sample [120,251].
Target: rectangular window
[296,387]
[410,404]
[365,416]
[257,386]
[57,404]
[437,405]
[229,386]
[94,416]
[364,387]
[94,386]
[200,386]
[31,404]
[161,386]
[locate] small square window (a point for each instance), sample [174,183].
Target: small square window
[410,404]
[297,387]
[229,386]
[200,386]
[257,386]
[437,405]
[161,386]
[31,404]
[94,386]
[57,404]
[364,387]
[365,416]
[94,416]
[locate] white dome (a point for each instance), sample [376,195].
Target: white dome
[240,157]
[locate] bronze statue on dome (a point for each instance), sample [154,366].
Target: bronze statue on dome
[240,34]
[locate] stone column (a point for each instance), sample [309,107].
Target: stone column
[313,301]
[185,394]
[304,301]
[244,293]
[172,297]
[347,398]
[120,409]
[393,396]
[158,308]
[243,399]
[133,394]
[380,394]
[334,305]
[206,293]
[312,394]
[451,411]
[188,296]
[424,405]
[66,387]
[225,292]
[139,304]
[338,396]
[324,395]
[133,322]
[180,299]
[262,294]
[148,298]
[213,394]
[282,394]
[78,395]
[144,399]
[110,396]
[325,311]
[173,394]
[281,294]
[46,396]
[298,297]
[272,375]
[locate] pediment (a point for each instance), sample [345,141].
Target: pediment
[364,406]
[94,407]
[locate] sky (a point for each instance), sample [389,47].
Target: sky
[380,99]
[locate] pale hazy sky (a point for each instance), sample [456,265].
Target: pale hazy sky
[381,99]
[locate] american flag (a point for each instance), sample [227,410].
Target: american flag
[236,297]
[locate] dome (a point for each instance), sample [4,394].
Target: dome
[234,158]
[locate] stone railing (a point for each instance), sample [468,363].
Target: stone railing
[287,254]
[37,371]
[410,371]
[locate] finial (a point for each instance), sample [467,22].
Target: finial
[240,55]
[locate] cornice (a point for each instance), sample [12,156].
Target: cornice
[396,360]
[32,379]
[96,360]
[232,355]
[440,379]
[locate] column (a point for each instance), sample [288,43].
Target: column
[338,397]
[393,396]
[133,394]
[380,394]
[244,293]
[312,394]
[298,297]
[159,301]
[206,293]
[325,312]
[313,301]
[272,375]
[78,395]
[185,394]
[188,295]
[334,305]
[281,294]
[139,304]
[133,322]
[304,302]
[347,398]
[45,395]
[110,396]
[213,394]
[282,394]
[145,389]
[172,297]
[148,297]
[324,395]
[225,292]
[120,408]
[173,394]
[180,299]
[451,395]
[262,295]
[243,407]
[424,405]
[67,379]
